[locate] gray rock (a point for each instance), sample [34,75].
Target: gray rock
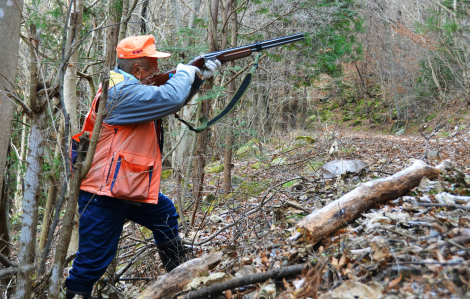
[334,168]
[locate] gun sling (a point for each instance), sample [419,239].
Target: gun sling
[205,123]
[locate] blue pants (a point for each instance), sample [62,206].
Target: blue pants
[100,226]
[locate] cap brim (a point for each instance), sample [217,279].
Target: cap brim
[159,55]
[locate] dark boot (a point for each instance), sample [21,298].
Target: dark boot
[77,295]
[171,253]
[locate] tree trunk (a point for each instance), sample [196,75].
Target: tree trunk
[202,137]
[193,16]
[70,91]
[229,136]
[51,195]
[124,15]
[175,16]
[143,26]
[349,207]
[5,218]
[34,162]
[112,34]
[9,39]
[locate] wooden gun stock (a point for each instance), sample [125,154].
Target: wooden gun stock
[199,62]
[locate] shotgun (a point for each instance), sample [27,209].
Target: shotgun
[225,56]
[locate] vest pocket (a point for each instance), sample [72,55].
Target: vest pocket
[132,176]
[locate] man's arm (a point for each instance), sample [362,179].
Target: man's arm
[130,102]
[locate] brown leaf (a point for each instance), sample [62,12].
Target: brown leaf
[450,286]
[392,284]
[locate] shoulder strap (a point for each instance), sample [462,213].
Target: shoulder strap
[205,123]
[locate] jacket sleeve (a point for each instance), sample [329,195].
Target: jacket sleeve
[130,102]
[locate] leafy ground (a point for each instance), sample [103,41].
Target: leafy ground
[397,250]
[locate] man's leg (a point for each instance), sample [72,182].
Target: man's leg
[162,220]
[100,226]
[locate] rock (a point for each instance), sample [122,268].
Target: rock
[334,149]
[215,218]
[399,124]
[303,140]
[334,168]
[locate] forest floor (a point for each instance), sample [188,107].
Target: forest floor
[396,250]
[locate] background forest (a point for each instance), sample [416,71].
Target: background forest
[365,65]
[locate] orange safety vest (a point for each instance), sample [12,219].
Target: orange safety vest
[127,161]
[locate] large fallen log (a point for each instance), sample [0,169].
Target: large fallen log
[337,214]
[173,282]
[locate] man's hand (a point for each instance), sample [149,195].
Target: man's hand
[191,70]
[210,68]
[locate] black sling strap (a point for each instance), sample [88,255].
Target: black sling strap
[205,123]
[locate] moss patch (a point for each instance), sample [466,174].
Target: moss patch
[166,174]
[216,169]
[257,165]
[303,140]
[254,188]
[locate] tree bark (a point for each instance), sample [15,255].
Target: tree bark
[337,214]
[123,26]
[229,136]
[10,24]
[202,137]
[112,34]
[177,279]
[70,91]
[195,8]
[33,175]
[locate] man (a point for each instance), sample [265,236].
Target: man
[124,179]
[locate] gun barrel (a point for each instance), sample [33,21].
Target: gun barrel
[281,41]
[256,47]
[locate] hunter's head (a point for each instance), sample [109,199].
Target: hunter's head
[138,56]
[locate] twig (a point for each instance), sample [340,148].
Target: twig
[398,233]
[438,205]
[20,102]
[6,262]
[289,12]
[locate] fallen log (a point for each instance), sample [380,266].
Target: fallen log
[245,280]
[173,282]
[339,213]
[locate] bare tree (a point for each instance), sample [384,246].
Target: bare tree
[9,39]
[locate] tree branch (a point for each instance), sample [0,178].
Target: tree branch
[289,12]
[245,280]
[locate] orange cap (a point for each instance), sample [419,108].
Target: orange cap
[139,46]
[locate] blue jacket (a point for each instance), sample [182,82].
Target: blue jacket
[130,102]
